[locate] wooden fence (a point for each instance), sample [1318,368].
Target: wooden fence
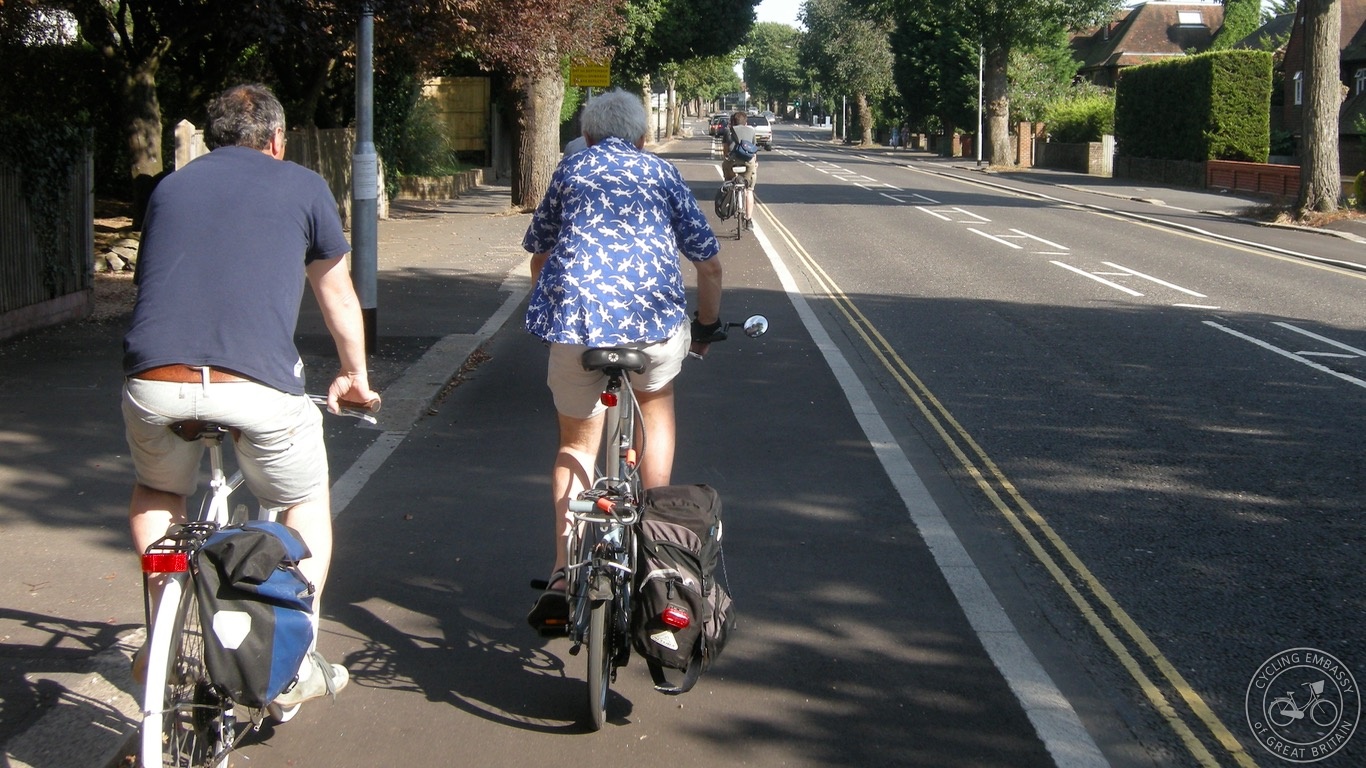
[47,273]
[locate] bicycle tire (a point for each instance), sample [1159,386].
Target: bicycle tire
[599,664]
[739,210]
[186,723]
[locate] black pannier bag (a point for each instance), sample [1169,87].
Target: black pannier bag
[683,612]
[255,608]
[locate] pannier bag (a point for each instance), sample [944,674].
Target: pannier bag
[683,613]
[725,201]
[255,607]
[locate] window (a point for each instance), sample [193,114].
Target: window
[1361,81]
[1190,19]
[1299,88]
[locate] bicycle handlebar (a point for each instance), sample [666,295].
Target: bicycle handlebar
[363,411]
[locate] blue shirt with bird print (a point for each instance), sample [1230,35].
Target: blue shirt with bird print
[614,222]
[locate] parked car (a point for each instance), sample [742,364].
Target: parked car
[719,124]
[763,131]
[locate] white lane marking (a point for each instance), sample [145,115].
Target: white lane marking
[1006,243]
[424,380]
[1172,286]
[1098,279]
[1288,354]
[1051,714]
[1022,233]
[1324,339]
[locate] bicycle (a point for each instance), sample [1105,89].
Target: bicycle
[739,184]
[600,577]
[186,722]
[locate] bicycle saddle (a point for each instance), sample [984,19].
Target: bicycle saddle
[191,430]
[625,358]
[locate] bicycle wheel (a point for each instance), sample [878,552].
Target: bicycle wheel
[599,663]
[186,723]
[739,211]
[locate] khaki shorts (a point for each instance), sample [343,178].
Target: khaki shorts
[751,172]
[576,391]
[280,450]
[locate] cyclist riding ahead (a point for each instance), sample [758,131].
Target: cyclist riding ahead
[606,241]
[228,243]
[739,131]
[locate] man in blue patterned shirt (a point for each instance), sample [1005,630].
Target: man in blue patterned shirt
[606,241]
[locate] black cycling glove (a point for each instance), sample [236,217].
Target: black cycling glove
[707,333]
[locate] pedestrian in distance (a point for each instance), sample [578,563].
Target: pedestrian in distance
[228,243]
[606,242]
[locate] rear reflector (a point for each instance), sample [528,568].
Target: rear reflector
[676,617]
[165,562]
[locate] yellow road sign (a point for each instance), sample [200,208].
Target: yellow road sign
[590,74]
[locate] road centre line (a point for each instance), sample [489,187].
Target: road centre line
[1173,286]
[1098,278]
[942,421]
[1324,339]
[1040,239]
[1288,354]
[1006,243]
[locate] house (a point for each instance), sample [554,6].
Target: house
[1352,73]
[1146,33]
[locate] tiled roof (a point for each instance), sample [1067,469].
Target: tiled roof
[1147,32]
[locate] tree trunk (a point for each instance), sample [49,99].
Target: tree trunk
[865,118]
[674,121]
[537,139]
[995,94]
[1320,175]
[144,119]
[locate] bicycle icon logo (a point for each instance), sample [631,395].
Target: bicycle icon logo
[1296,727]
[1284,711]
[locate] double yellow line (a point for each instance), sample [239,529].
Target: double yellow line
[1081,586]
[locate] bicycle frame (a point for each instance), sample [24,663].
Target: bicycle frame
[601,546]
[740,187]
[170,557]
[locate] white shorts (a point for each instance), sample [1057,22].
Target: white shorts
[280,450]
[577,391]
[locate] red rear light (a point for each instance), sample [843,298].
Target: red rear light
[609,399]
[165,562]
[676,617]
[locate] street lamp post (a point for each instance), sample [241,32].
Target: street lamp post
[981,75]
[365,181]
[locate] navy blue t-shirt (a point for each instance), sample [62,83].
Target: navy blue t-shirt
[221,265]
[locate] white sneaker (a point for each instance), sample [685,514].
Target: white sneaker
[324,680]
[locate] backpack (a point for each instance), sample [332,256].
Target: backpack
[682,614]
[256,609]
[725,201]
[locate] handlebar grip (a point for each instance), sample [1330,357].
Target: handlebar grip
[582,505]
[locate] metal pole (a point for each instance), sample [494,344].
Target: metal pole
[365,181]
[981,75]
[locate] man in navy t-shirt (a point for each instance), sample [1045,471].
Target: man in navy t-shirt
[227,245]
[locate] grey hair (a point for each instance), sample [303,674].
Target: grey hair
[614,113]
[244,116]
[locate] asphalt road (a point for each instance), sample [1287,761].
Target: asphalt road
[1172,417]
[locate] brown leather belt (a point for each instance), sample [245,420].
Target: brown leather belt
[187,374]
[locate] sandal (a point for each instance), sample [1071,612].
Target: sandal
[550,615]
